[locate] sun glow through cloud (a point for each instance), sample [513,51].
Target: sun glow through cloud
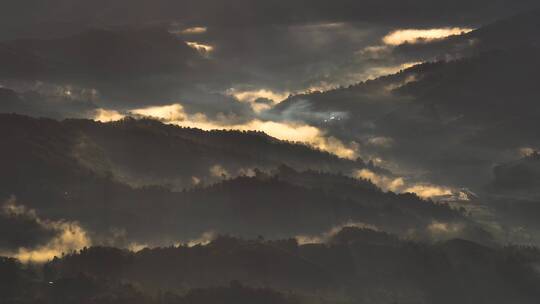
[200,47]
[251,97]
[402,36]
[384,182]
[401,185]
[428,191]
[103,115]
[283,130]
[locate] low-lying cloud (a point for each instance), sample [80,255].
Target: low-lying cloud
[283,130]
[64,237]
[402,185]
[402,36]
[328,235]
[200,47]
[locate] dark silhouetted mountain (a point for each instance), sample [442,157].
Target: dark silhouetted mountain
[251,202]
[10,101]
[362,266]
[236,293]
[148,152]
[77,170]
[522,176]
[514,194]
[505,34]
[450,118]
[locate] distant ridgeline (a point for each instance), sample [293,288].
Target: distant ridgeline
[92,173]
[353,265]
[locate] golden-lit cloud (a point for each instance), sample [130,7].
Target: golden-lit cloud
[246,172]
[195,180]
[251,96]
[327,235]
[200,47]
[419,35]
[194,30]
[335,146]
[219,171]
[174,112]
[205,239]
[289,131]
[384,182]
[442,227]
[401,185]
[104,115]
[136,247]
[526,151]
[429,191]
[69,236]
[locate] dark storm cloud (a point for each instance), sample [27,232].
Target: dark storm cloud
[289,58]
[520,177]
[283,46]
[121,69]
[148,66]
[55,15]
[59,103]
